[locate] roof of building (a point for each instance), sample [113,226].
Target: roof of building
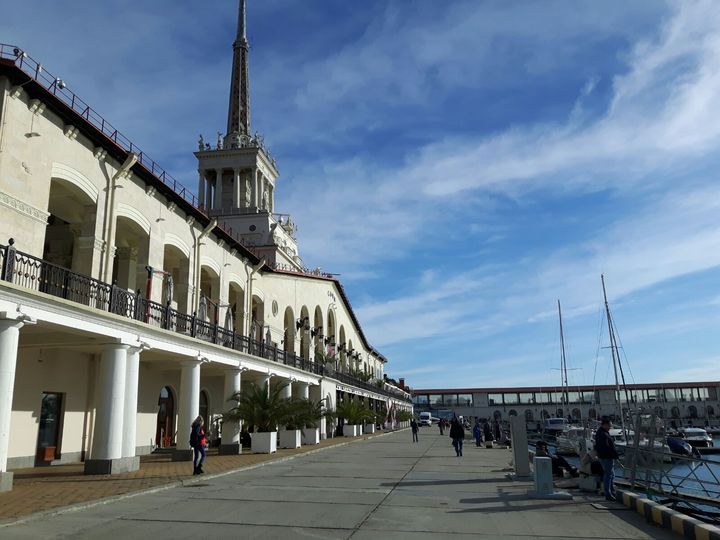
[528,389]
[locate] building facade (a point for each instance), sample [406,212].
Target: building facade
[676,402]
[129,304]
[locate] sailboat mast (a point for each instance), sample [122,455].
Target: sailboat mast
[563,361]
[613,352]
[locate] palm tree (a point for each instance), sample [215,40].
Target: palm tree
[354,412]
[260,406]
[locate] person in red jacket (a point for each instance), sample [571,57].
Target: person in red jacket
[198,442]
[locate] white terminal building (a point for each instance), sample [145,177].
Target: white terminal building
[129,304]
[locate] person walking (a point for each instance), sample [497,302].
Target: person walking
[607,454]
[457,434]
[198,442]
[441,425]
[487,431]
[414,429]
[477,433]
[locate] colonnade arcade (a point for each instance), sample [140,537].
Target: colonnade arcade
[127,394]
[223,189]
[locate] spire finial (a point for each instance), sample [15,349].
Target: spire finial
[239,108]
[241,30]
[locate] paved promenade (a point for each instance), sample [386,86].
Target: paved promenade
[380,488]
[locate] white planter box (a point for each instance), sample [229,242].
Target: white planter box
[264,443]
[369,428]
[289,438]
[351,430]
[311,436]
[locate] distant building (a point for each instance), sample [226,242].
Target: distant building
[678,402]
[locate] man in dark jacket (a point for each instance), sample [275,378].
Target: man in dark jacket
[607,454]
[457,434]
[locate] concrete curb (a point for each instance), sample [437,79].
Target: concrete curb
[185,482]
[667,518]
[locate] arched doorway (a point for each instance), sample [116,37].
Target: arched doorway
[592,413]
[576,414]
[318,331]
[529,415]
[176,264]
[70,232]
[165,430]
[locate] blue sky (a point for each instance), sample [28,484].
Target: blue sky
[462,164]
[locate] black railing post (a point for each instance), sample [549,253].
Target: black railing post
[137,312]
[113,294]
[215,330]
[166,314]
[193,324]
[66,284]
[9,262]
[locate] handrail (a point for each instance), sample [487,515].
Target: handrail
[43,276]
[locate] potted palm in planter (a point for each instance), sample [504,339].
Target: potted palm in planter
[311,412]
[294,419]
[403,417]
[372,420]
[264,408]
[354,414]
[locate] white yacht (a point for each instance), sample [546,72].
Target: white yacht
[697,437]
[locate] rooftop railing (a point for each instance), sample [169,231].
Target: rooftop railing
[57,88]
[43,276]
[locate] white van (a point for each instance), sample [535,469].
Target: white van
[425,419]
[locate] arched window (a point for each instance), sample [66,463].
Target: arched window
[710,410]
[675,412]
[545,414]
[528,415]
[692,411]
[497,415]
[512,412]
[559,413]
[659,412]
[576,414]
[592,413]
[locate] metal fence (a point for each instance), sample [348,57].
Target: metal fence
[690,483]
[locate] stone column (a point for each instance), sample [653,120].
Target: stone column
[286,392]
[9,336]
[106,454]
[208,193]
[302,390]
[231,430]
[189,407]
[218,190]
[201,187]
[127,267]
[237,189]
[262,380]
[132,372]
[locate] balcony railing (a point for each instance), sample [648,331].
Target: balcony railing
[40,275]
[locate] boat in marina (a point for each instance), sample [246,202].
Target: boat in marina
[697,437]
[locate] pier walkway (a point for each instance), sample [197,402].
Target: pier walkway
[380,488]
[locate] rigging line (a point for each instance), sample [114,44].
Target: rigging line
[622,373]
[632,376]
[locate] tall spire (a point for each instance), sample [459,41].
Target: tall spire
[239,108]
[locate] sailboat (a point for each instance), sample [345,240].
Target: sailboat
[624,438]
[568,441]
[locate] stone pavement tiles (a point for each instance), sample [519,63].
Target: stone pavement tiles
[44,489]
[380,488]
